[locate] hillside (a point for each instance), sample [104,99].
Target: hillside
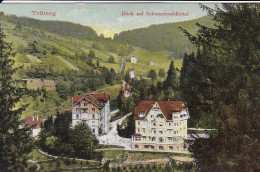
[163,37]
[56,27]
[65,59]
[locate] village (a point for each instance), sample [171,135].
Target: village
[160,126]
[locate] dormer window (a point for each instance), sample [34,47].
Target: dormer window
[141,114]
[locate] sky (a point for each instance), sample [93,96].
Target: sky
[107,18]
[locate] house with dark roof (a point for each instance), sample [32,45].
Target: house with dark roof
[35,123]
[126,91]
[160,126]
[93,110]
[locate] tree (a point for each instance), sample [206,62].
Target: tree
[127,77]
[161,73]
[84,141]
[54,51]
[101,36]
[111,59]
[32,47]
[227,88]
[152,74]
[15,140]
[18,26]
[91,55]
[171,80]
[112,75]
[97,63]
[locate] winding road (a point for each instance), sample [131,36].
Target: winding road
[112,137]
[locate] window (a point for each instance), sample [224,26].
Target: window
[93,116]
[136,146]
[85,104]
[151,116]
[77,116]
[170,124]
[144,138]
[93,130]
[160,132]
[84,110]
[143,130]
[137,138]
[152,147]
[154,124]
[159,116]
[161,147]
[170,147]
[153,139]
[138,123]
[160,140]
[154,131]
[93,109]
[146,146]
[138,130]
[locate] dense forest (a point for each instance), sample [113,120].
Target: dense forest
[163,37]
[56,27]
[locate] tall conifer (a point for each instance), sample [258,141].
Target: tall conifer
[15,141]
[228,64]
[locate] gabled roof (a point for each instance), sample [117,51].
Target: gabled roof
[96,99]
[62,111]
[131,69]
[167,107]
[33,121]
[134,57]
[123,88]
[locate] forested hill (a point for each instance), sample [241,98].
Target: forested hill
[163,36]
[57,27]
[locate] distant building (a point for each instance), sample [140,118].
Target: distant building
[133,59]
[34,84]
[35,122]
[126,90]
[92,109]
[160,126]
[152,63]
[96,71]
[131,72]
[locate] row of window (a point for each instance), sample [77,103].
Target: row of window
[166,123]
[152,147]
[84,110]
[77,116]
[160,139]
[168,131]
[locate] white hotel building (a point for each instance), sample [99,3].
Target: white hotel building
[92,109]
[160,126]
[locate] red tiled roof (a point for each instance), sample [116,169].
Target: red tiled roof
[137,135]
[129,88]
[167,107]
[62,111]
[33,121]
[130,70]
[96,99]
[134,57]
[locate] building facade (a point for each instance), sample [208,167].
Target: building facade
[94,110]
[160,126]
[126,91]
[131,72]
[133,59]
[35,122]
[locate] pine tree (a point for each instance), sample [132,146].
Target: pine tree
[15,140]
[171,80]
[227,63]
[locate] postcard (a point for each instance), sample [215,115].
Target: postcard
[129,86]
